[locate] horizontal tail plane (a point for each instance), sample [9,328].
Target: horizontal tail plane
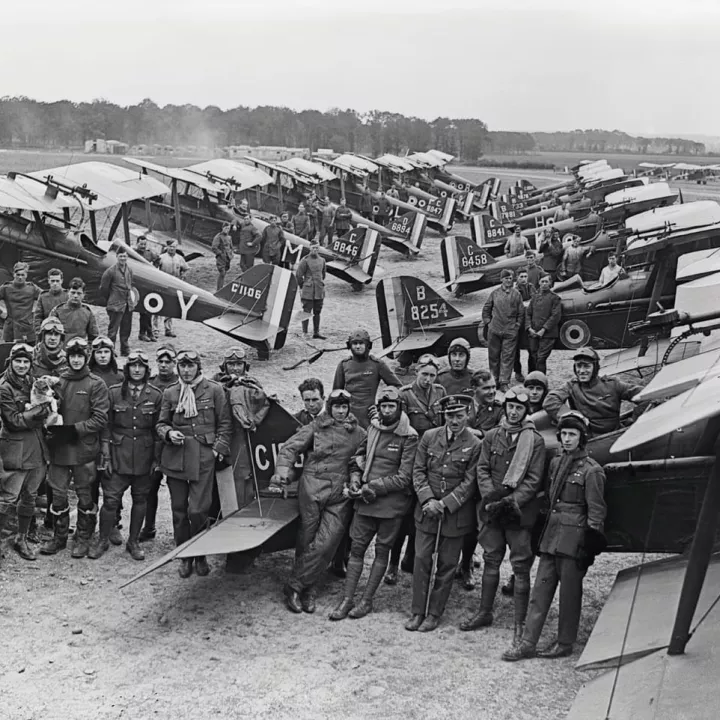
[461,256]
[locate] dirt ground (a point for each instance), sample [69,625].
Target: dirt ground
[76,646]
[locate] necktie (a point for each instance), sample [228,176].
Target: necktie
[134,392]
[451,439]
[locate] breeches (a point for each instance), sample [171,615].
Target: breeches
[190,501]
[496,540]
[83,477]
[448,556]
[364,528]
[20,487]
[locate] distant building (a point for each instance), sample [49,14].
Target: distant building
[106,147]
[273,153]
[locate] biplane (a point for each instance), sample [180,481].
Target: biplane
[198,207]
[414,318]
[255,308]
[296,179]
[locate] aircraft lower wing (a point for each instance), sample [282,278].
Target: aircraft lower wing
[630,360]
[630,638]
[246,529]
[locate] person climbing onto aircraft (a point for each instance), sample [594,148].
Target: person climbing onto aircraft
[381,486]
[174,264]
[301,223]
[542,322]
[571,539]
[552,251]
[457,377]
[598,398]
[77,318]
[273,243]
[19,296]
[516,244]
[360,374]
[502,314]
[248,243]
[572,260]
[162,379]
[195,426]
[420,403]
[327,221]
[74,447]
[328,443]
[116,287]
[445,485]
[509,476]
[130,452]
[310,275]
[312,393]
[343,218]
[22,444]
[222,248]
[48,299]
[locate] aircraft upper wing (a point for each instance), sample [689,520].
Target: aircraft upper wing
[113,185]
[239,176]
[181,174]
[21,193]
[317,172]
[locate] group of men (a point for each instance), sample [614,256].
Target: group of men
[447,463]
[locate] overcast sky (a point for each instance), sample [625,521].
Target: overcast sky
[641,66]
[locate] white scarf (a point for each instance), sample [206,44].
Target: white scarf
[186,402]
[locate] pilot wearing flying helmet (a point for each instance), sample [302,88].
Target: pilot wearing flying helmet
[598,398]
[570,540]
[509,477]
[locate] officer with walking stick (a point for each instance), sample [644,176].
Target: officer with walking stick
[444,481]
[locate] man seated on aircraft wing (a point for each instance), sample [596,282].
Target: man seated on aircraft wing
[611,271]
[599,399]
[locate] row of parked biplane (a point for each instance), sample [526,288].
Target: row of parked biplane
[661,316]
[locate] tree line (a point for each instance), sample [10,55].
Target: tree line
[25,122]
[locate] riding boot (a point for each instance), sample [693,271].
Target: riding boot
[21,539]
[137,515]
[316,328]
[85,528]
[61,529]
[305,326]
[352,578]
[484,616]
[102,544]
[3,524]
[377,571]
[32,533]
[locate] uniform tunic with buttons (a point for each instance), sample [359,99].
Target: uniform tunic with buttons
[487,417]
[134,446]
[78,321]
[46,302]
[19,302]
[419,405]
[310,276]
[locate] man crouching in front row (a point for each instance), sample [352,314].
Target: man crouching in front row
[444,481]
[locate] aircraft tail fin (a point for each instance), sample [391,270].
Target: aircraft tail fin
[407,305]
[409,226]
[503,211]
[486,229]
[358,249]
[262,300]
[465,204]
[461,255]
[526,186]
[488,191]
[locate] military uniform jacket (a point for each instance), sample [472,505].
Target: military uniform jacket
[273,243]
[301,225]
[130,432]
[304,417]
[19,302]
[599,401]
[44,306]
[161,383]
[552,254]
[361,378]
[577,501]
[390,471]
[209,430]
[498,449]
[109,376]
[328,447]
[343,216]
[77,321]
[44,365]
[22,444]
[328,216]
[447,472]
[486,417]
[544,311]
[116,287]
[249,240]
[84,403]
[420,408]
[456,383]
[310,276]
[223,250]
[504,312]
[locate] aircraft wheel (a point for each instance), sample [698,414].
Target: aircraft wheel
[575,334]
